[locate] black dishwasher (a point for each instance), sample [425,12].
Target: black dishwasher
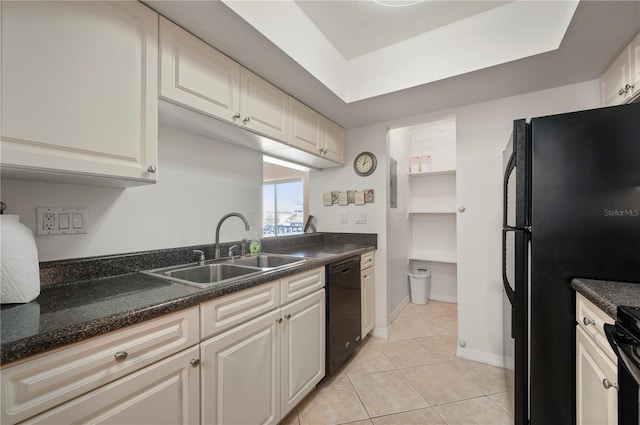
[343,311]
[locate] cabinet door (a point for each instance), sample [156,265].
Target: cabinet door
[36,385]
[596,405]
[80,89]
[303,348]
[614,80]
[240,374]
[166,392]
[334,142]
[367,300]
[635,66]
[196,75]
[305,133]
[263,107]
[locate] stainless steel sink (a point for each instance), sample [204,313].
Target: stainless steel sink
[204,276]
[215,272]
[268,261]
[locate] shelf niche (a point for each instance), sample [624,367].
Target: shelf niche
[432,207]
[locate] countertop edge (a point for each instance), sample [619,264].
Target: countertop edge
[608,295]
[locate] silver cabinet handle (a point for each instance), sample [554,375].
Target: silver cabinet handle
[462,208]
[279,320]
[588,321]
[121,356]
[246,119]
[152,169]
[606,384]
[621,92]
[236,116]
[287,316]
[628,87]
[194,362]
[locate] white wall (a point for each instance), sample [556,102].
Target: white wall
[373,139]
[483,130]
[398,226]
[199,180]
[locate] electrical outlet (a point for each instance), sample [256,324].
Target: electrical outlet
[61,221]
[361,218]
[343,218]
[48,221]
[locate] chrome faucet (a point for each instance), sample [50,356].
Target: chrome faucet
[233,214]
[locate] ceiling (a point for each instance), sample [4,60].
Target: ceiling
[380,26]
[345,33]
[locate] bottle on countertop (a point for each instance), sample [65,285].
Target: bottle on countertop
[255,246]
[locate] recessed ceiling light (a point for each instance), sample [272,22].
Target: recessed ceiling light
[397,3]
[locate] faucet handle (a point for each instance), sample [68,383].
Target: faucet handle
[243,242]
[202,258]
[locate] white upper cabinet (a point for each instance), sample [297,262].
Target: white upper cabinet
[305,127]
[621,81]
[634,51]
[263,107]
[79,91]
[315,134]
[334,142]
[197,76]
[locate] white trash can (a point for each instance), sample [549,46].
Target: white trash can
[420,281]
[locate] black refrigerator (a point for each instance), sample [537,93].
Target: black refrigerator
[571,209]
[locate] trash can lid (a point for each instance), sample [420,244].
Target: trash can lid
[420,273]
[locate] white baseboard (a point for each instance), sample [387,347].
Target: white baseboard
[398,309]
[381,332]
[444,298]
[479,356]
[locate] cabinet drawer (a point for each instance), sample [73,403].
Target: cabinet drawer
[298,285]
[33,386]
[366,260]
[591,319]
[165,392]
[230,310]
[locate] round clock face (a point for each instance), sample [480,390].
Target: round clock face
[365,164]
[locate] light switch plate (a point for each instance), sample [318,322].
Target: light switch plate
[61,221]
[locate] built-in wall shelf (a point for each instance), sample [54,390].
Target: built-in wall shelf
[434,257]
[432,173]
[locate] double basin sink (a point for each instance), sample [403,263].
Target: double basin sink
[215,272]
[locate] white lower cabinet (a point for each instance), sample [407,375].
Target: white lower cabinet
[163,393]
[59,377]
[367,292]
[302,349]
[258,357]
[596,369]
[257,372]
[596,403]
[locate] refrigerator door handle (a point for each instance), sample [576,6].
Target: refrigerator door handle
[505,279]
[510,166]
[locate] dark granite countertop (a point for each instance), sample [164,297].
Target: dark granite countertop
[71,312]
[608,295]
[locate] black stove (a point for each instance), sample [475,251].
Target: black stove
[624,337]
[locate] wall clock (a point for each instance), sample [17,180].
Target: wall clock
[365,164]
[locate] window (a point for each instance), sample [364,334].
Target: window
[282,213]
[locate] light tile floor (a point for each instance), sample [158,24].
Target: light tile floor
[412,378]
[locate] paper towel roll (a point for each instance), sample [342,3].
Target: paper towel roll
[20,278]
